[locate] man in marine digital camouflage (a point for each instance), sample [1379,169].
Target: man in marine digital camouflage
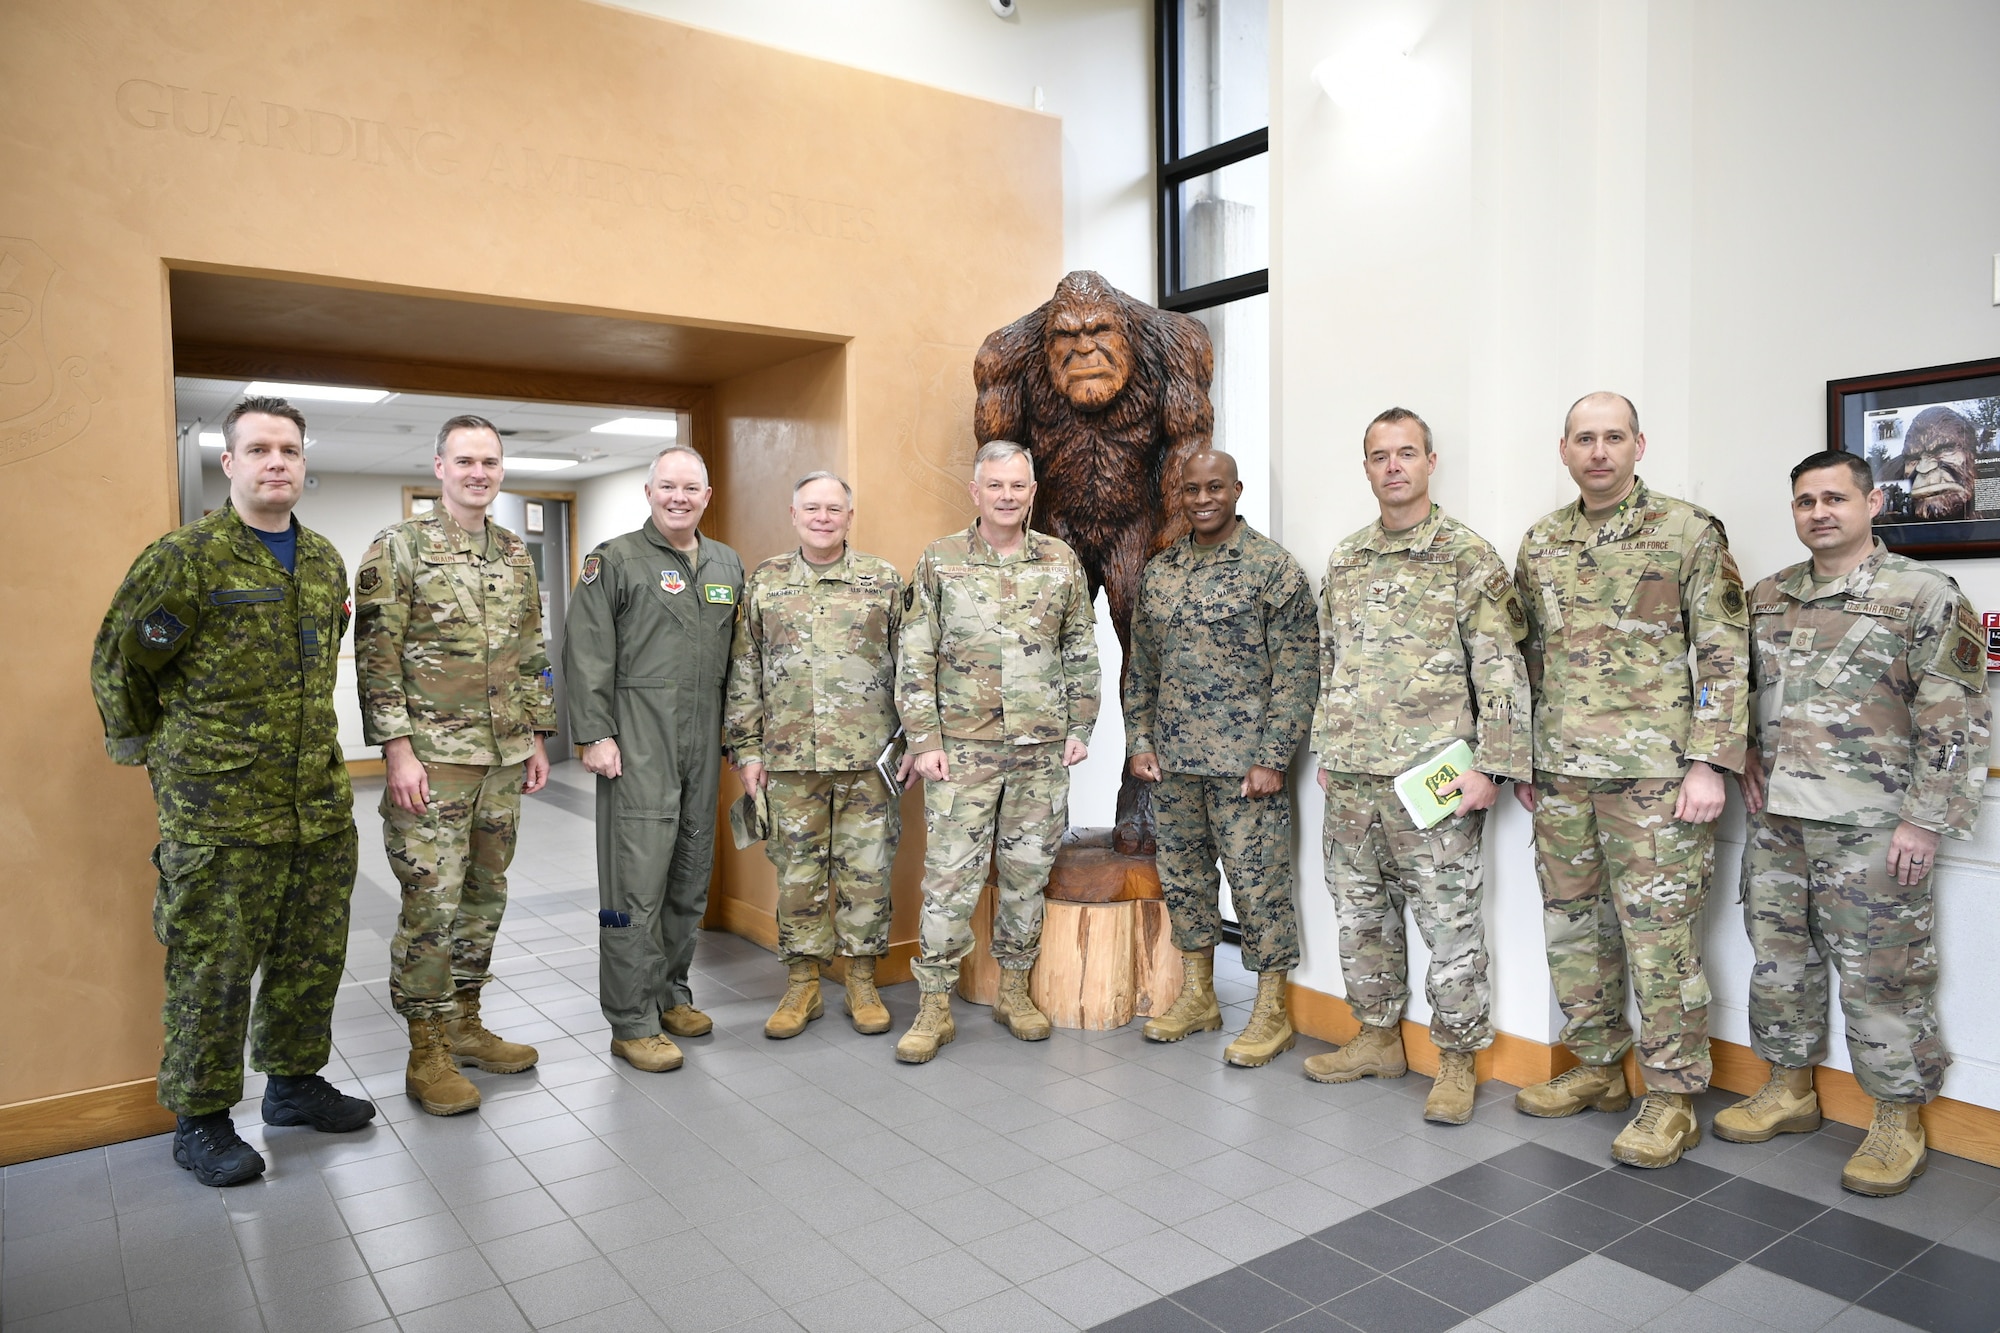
[1871,732]
[1421,626]
[1638,652]
[455,688]
[215,668]
[997,689]
[811,707]
[645,659]
[1225,662]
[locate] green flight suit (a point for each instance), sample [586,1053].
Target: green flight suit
[645,658]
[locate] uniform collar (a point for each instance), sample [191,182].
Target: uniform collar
[1798,585]
[1184,549]
[1419,538]
[249,546]
[981,552]
[652,531]
[448,535]
[840,571]
[1630,515]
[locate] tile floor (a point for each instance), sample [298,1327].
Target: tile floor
[1091,1180]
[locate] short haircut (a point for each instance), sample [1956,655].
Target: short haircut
[822,475]
[1394,416]
[1630,410]
[270,407]
[465,421]
[999,451]
[678,448]
[1864,476]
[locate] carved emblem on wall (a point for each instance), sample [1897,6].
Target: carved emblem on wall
[936,439]
[43,403]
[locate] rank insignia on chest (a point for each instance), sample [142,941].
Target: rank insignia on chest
[671,581]
[592,566]
[718,594]
[161,629]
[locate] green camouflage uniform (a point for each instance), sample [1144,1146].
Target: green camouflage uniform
[1638,651]
[1870,710]
[645,656]
[998,668]
[448,652]
[1225,662]
[215,668]
[1421,632]
[812,697]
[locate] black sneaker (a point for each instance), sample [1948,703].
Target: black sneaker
[308,1099]
[208,1145]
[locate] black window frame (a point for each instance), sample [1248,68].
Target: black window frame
[1174,170]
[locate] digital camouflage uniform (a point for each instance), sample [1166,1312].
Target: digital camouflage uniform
[1420,648]
[812,697]
[448,651]
[645,657]
[1870,710]
[215,669]
[1225,662]
[998,668]
[1638,651]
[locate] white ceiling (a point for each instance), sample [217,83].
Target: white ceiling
[394,437]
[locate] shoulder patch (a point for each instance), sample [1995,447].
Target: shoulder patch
[161,628]
[1967,655]
[593,565]
[368,580]
[1498,586]
[1516,613]
[1732,600]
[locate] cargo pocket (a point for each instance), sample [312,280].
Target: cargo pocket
[1683,857]
[937,805]
[1902,957]
[1451,845]
[180,865]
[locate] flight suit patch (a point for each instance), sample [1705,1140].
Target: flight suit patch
[671,581]
[718,594]
[592,565]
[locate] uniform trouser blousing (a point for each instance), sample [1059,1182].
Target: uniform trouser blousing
[1007,803]
[832,841]
[1623,883]
[223,912]
[452,863]
[1200,820]
[1377,860]
[1816,893]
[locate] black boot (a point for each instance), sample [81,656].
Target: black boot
[308,1099]
[208,1145]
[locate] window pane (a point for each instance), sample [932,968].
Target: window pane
[1225,228]
[1225,71]
[1241,392]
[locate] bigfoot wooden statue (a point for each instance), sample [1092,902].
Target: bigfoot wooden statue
[1111,395]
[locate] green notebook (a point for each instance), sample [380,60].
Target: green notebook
[1417,787]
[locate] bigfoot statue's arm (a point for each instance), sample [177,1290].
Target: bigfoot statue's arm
[1179,345]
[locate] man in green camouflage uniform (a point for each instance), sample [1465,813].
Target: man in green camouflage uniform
[645,658]
[1871,731]
[997,688]
[455,688]
[1225,662]
[1638,651]
[1422,628]
[811,707]
[214,668]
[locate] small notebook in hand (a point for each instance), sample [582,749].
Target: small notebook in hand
[1417,787]
[891,759]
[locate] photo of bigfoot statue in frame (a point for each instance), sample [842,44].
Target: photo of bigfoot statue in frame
[1932,438]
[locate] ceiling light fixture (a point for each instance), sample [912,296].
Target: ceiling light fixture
[537,464]
[322,393]
[658,428]
[212,439]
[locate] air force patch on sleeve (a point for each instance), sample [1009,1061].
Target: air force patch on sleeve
[161,629]
[593,564]
[369,579]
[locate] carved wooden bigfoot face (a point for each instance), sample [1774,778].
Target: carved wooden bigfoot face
[1939,458]
[1090,356]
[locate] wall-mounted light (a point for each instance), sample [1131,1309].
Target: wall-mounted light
[520,464]
[315,393]
[1379,83]
[658,428]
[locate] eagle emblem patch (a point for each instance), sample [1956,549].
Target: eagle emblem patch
[671,581]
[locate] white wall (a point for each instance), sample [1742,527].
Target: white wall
[1702,204]
[609,506]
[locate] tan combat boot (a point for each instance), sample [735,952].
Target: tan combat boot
[1016,1008]
[1664,1129]
[1450,1102]
[655,1054]
[932,1029]
[1194,1009]
[1374,1052]
[801,1003]
[1786,1104]
[431,1077]
[472,1044]
[1269,1031]
[1598,1087]
[864,1002]
[684,1020]
[1891,1156]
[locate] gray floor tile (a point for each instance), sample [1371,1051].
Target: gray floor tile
[407,1242]
[1166,1261]
[1013,1311]
[1771,1299]
[865,1307]
[569,1291]
[715,1300]
[430,1281]
[489,1311]
[527,1253]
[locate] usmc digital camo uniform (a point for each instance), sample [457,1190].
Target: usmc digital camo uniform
[215,668]
[1870,710]
[1421,632]
[645,657]
[1638,651]
[812,697]
[448,651]
[1225,662]
[998,668]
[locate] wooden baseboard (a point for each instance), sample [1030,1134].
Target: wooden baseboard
[365,768]
[72,1121]
[760,927]
[1510,1059]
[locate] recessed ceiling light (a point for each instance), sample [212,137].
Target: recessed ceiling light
[324,393]
[211,439]
[659,428]
[537,464]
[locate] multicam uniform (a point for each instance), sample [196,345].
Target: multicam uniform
[1870,710]
[812,697]
[998,669]
[1421,631]
[1224,666]
[1638,650]
[448,652]
[215,669]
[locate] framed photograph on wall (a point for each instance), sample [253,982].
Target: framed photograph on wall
[1930,438]
[534,520]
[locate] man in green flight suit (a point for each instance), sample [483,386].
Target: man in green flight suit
[646,656]
[215,668]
